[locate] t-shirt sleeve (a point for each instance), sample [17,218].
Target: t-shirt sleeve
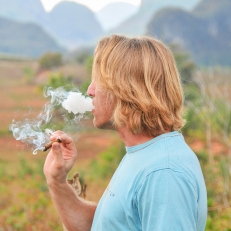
[166,200]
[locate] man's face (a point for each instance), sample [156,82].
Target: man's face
[103,107]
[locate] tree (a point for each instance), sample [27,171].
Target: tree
[185,64]
[50,60]
[59,80]
[88,65]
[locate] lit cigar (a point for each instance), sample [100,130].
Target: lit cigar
[49,145]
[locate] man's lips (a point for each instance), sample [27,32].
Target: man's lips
[93,107]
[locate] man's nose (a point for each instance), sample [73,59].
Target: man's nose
[91,89]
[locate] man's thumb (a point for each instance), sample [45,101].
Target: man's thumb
[58,158]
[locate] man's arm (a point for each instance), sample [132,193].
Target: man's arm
[75,213]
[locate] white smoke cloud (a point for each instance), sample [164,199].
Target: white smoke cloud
[84,104]
[32,132]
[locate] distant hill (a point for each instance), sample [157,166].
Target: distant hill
[115,13]
[22,10]
[25,39]
[137,24]
[210,7]
[205,32]
[71,24]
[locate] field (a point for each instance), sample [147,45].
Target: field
[25,203]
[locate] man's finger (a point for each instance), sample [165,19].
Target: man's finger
[58,158]
[66,140]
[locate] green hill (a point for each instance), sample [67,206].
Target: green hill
[205,32]
[25,39]
[71,24]
[137,24]
[22,10]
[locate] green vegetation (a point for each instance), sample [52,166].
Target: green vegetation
[25,203]
[88,64]
[29,75]
[208,112]
[82,56]
[50,61]
[56,80]
[106,163]
[184,63]
[59,80]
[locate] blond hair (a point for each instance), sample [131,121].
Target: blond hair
[142,76]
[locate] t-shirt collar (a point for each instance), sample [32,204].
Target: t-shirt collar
[138,147]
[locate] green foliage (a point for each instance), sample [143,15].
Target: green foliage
[219,220]
[217,191]
[25,200]
[195,123]
[84,86]
[184,63]
[208,115]
[104,166]
[203,157]
[50,60]
[3,166]
[25,168]
[88,64]
[86,83]
[57,79]
[29,75]
[82,57]
[5,132]
[205,110]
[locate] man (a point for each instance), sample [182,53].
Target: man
[159,184]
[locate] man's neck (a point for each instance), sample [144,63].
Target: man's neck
[131,139]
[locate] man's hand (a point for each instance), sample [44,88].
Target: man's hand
[60,159]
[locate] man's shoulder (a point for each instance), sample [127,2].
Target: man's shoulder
[168,151]
[158,152]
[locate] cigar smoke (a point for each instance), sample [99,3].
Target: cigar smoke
[34,133]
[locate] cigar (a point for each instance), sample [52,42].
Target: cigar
[49,145]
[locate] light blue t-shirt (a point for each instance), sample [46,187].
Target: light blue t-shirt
[158,186]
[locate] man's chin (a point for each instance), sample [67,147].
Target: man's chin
[107,125]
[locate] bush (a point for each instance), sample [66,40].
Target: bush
[104,166]
[86,83]
[186,66]
[50,60]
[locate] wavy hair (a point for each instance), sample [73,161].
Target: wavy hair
[141,74]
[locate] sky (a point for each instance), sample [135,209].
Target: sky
[94,5]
